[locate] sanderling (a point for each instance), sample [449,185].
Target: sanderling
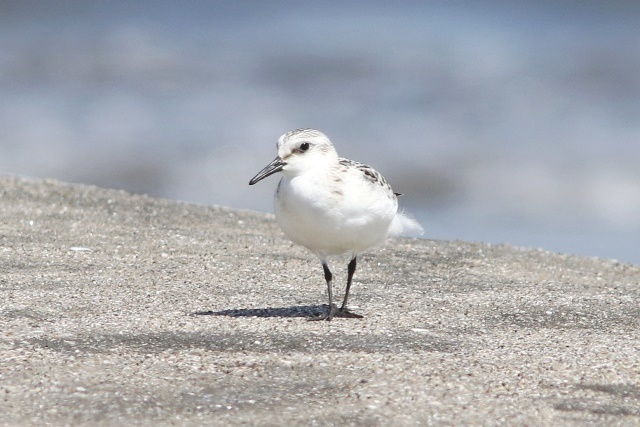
[331,205]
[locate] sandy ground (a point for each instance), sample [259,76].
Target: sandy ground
[119,309]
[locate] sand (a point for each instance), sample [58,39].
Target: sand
[121,309]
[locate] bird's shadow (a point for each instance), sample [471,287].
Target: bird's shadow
[294,311]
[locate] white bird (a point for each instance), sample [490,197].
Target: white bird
[331,205]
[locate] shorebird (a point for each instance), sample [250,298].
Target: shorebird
[331,205]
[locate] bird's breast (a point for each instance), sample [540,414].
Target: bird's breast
[329,217]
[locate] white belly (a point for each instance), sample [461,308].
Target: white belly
[331,220]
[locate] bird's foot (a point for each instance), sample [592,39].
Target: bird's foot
[334,311]
[343,312]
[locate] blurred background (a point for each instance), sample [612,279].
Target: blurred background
[514,122]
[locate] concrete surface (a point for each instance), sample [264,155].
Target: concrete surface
[119,309]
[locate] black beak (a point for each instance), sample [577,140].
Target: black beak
[275,166]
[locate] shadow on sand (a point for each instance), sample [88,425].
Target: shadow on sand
[294,311]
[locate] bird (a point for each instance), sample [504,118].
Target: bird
[332,205]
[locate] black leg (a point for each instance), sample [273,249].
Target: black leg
[332,309]
[350,270]
[343,312]
[328,277]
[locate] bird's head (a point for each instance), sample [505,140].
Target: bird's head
[300,151]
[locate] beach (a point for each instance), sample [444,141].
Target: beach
[124,309]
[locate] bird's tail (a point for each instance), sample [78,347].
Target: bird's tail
[404,225]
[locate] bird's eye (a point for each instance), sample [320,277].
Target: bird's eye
[304,146]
